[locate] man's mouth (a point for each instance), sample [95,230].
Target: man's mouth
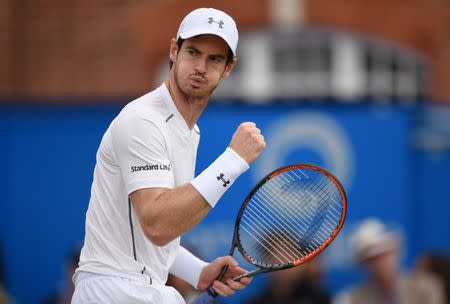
[198,80]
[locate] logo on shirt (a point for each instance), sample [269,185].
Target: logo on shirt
[151,167]
[225,182]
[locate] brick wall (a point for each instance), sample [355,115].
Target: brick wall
[81,48]
[5,46]
[110,47]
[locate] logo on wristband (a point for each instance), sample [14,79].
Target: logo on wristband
[225,182]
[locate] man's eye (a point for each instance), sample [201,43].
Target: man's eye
[192,52]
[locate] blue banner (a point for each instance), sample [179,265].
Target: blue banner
[48,156]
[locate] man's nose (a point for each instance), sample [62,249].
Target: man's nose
[201,65]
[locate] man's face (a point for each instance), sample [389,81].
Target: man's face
[383,266]
[200,64]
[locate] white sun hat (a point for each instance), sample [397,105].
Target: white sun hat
[372,238]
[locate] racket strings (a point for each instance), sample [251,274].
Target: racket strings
[324,189]
[286,253]
[321,187]
[308,206]
[319,218]
[290,236]
[276,254]
[292,231]
[290,216]
[310,209]
[316,188]
[283,214]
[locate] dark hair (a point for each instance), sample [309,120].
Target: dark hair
[180,43]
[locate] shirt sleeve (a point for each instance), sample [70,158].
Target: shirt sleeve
[141,153]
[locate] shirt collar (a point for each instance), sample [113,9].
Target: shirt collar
[173,110]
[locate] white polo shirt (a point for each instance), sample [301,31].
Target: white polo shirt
[147,145]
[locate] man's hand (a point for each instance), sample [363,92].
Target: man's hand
[248,142]
[226,286]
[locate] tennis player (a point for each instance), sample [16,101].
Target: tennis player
[144,195]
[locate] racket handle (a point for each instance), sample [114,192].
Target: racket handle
[206,297]
[209,294]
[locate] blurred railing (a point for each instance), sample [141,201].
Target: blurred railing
[318,64]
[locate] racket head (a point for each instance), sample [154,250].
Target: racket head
[290,216]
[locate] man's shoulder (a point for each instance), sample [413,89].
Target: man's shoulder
[362,289]
[358,293]
[421,281]
[149,107]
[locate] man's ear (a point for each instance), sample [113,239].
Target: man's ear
[229,67]
[173,50]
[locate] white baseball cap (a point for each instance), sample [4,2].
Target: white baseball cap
[210,21]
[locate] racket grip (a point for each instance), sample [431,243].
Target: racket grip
[206,297]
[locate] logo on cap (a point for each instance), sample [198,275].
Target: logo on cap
[211,20]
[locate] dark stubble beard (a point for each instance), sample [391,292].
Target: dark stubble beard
[192,93]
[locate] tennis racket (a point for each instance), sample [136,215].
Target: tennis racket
[288,218]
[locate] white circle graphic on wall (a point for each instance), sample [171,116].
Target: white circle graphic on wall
[313,131]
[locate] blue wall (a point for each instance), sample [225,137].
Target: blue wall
[48,155]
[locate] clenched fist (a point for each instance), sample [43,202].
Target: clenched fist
[248,142]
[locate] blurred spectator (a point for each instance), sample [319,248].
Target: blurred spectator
[376,250]
[64,294]
[4,297]
[439,265]
[299,285]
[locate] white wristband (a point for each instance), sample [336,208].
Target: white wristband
[187,267]
[219,176]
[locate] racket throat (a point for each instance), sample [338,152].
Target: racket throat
[252,273]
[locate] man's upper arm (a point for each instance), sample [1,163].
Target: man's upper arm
[143,197]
